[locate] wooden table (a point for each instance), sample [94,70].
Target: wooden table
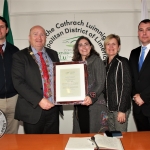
[130,141]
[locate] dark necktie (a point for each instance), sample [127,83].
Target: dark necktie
[47,90]
[141,60]
[1,50]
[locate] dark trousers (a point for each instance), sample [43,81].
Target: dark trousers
[142,121]
[83,116]
[48,123]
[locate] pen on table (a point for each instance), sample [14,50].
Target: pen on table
[93,139]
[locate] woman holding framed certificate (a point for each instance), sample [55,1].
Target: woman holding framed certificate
[91,115]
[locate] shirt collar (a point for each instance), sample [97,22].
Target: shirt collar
[4,46]
[35,51]
[148,46]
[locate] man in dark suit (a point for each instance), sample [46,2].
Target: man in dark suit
[140,68]
[8,94]
[35,102]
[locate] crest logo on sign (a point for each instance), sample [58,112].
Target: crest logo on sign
[64,46]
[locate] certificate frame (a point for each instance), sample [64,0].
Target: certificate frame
[70,82]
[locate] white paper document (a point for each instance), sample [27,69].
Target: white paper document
[85,143]
[108,142]
[75,143]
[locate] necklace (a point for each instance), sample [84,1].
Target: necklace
[46,82]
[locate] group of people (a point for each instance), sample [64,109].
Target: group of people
[27,92]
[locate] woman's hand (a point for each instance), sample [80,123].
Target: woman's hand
[87,101]
[121,117]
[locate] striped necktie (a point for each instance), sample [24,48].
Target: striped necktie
[1,50]
[47,90]
[141,59]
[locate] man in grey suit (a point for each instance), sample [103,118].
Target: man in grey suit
[34,107]
[140,68]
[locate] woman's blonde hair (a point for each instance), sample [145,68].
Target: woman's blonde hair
[111,36]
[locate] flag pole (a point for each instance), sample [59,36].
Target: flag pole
[9,36]
[144,10]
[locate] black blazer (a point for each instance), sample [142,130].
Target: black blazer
[141,81]
[27,81]
[118,84]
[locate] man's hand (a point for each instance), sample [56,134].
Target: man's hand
[138,99]
[45,104]
[87,101]
[121,117]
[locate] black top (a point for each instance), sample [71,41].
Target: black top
[6,86]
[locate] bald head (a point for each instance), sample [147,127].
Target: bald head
[37,37]
[37,27]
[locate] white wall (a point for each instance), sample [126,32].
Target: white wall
[112,16]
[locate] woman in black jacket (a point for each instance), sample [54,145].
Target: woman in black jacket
[118,85]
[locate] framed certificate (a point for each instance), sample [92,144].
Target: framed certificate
[70,82]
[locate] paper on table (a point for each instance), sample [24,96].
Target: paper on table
[108,142]
[85,143]
[76,143]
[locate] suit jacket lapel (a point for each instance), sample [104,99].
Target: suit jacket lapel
[137,54]
[35,65]
[50,54]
